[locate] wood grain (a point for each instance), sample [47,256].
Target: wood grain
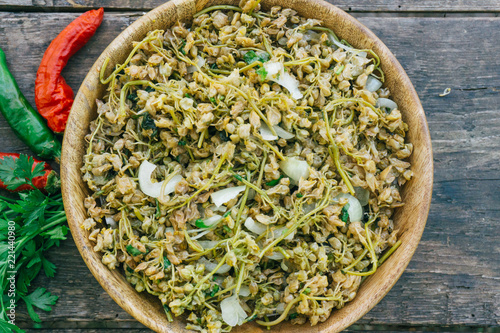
[453,278]
[398,6]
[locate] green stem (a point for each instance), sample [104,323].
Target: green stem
[389,252]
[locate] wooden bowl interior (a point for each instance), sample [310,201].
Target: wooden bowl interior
[410,219]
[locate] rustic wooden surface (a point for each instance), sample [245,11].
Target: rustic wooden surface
[453,281]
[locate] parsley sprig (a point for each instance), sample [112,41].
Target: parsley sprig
[38,222]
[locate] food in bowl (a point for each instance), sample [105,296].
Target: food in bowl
[246,167]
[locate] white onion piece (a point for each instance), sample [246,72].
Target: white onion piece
[145,183]
[244,291]
[339,44]
[355,209]
[308,207]
[201,234]
[276,256]
[362,54]
[221,197]
[282,133]
[212,220]
[386,103]
[266,133]
[273,67]
[254,226]
[290,83]
[295,169]
[210,266]
[232,312]
[276,72]
[208,244]
[110,222]
[170,186]
[372,84]
[154,189]
[169,229]
[280,308]
[200,63]
[279,231]
[363,195]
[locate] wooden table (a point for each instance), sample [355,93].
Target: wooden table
[453,281]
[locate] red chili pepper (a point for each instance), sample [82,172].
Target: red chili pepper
[47,182]
[53,96]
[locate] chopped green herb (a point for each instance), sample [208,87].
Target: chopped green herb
[166,263]
[133,97]
[221,97]
[200,223]
[214,66]
[213,100]
[226,229]
[148,122]
[214,291]
[307,291]
[274,182]
[293,315]
[238,177]
[150,89]
[182,143]
[299,195]
[133,251]
[251,57]
[344,215]
[181,48]
[187,95]
[262,73]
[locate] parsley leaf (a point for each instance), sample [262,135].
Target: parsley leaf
[344,215]
[251,57]
[38,219]
[41,299]
[166,263]
[133,251]
[19,171]
[262,73]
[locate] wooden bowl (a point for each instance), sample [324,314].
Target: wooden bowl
[410,219]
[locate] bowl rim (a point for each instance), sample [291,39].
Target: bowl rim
[111,280]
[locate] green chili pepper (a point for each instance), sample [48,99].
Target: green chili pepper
[26,123]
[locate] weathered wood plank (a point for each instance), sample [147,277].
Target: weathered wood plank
[454,277]
[347,5]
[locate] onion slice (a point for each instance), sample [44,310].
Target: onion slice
[221,197]
[210,266]
[355,210]
[266,133]
[276,72]
[363,195]
[154,189]
[282,133]
[244,291]
[254,226]
[110,222]
[295,169]
[276,255]
[232,312]
[386,103]
[372,84]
